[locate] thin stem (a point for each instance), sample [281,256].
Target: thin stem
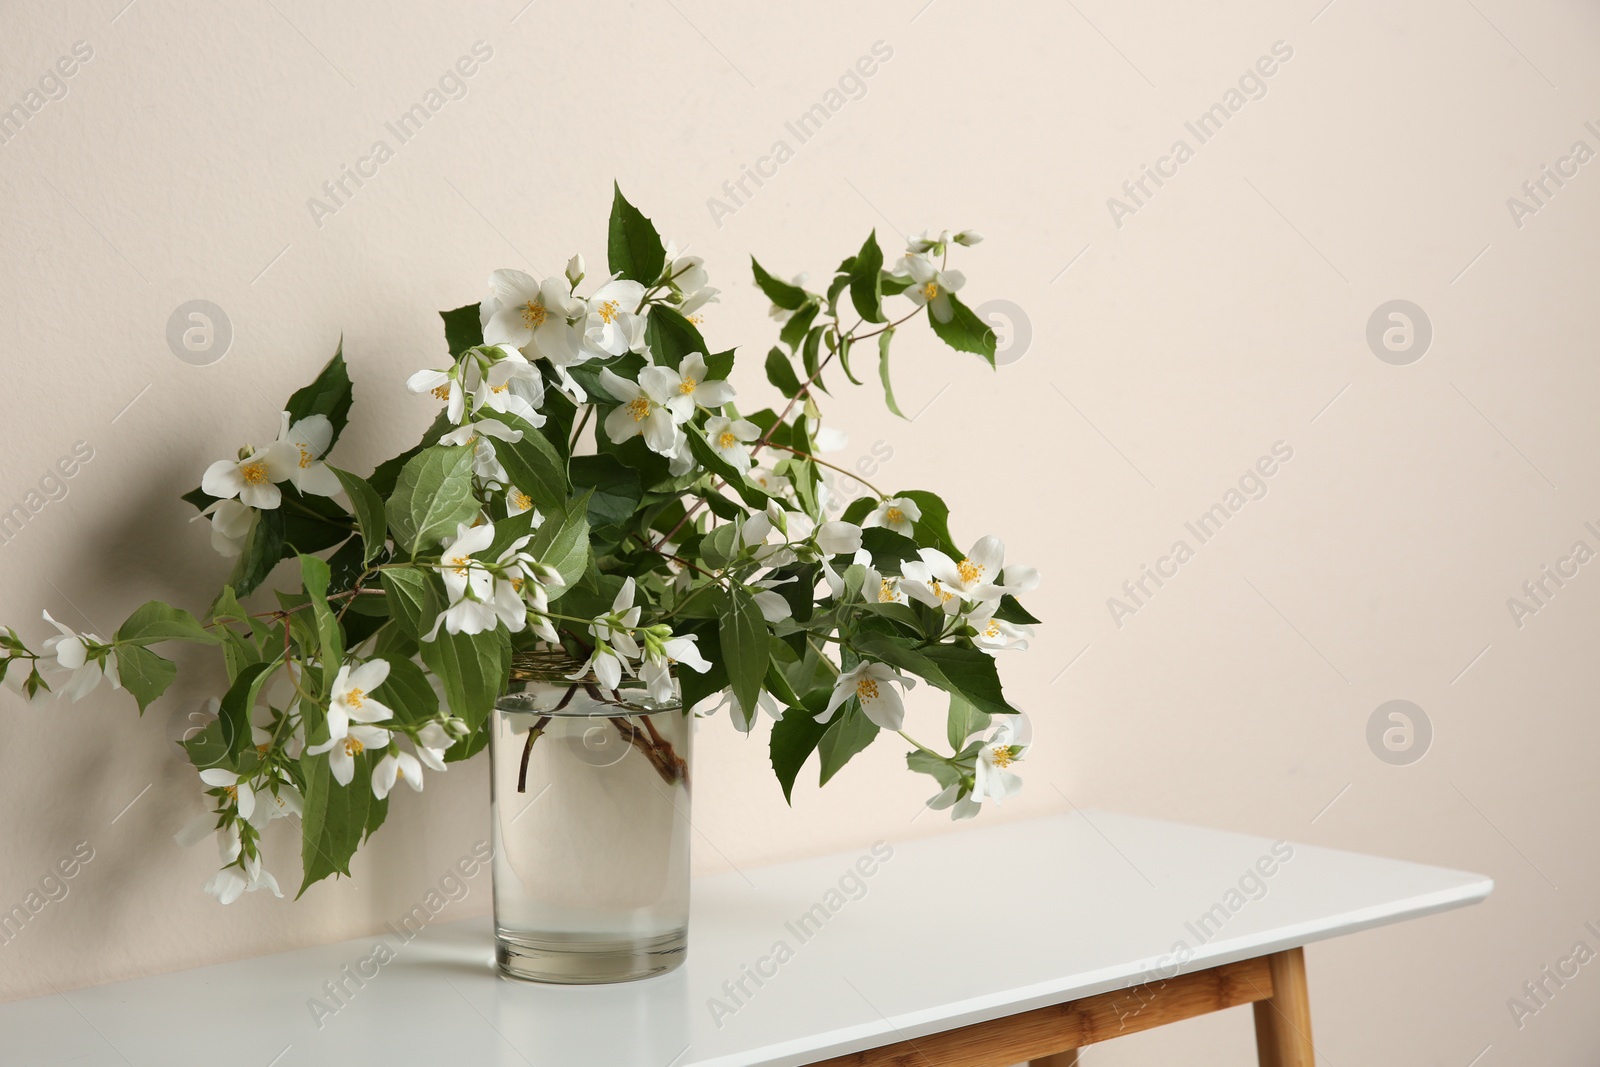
[577,430]
[534,733]
[833,466]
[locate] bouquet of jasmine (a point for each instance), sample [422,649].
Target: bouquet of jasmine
[589,486]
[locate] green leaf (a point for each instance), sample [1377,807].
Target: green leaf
[848,733]
[780,372]
[743,636]
[462,328]
[957,669]
[143,673]
[409,693]
[312,523]
[634,248]
[369,511]
[933,529]
[865,291]
[234,711]
[157,621]
[433,495]
[965,332]
[387,473]
[415,598]
[963,721]
[794,738]
[334,818]
[535,466]
[938,767]
[671,336]
[563,543]
[263,548]
[752,494]
[315,575]
[786,296]
[616,490]
[883,371]
[798,324]
[1012,611]
[330,394]
[226,608]
[473,668]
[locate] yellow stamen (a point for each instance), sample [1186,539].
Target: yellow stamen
[687,386]
[639,408]
[696,319]
[499,388]
[442,391]
[232,791]
[969,571]
[354,698]
[533,314]
[255,472]
[263,749]
[1002,756]
[867,689]
[931,290]
[727,440]
[940,591]
[894,516]
[352,747]
[608,311]
[520,500]
[886,591]
[305,457]
[992,630]
[461,563]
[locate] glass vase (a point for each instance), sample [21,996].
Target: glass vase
[590,812]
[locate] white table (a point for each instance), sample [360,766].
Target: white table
[955,931]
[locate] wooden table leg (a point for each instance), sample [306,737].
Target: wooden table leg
[1068,1058]
[1283,1021]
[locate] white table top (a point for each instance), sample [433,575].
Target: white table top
[949,930]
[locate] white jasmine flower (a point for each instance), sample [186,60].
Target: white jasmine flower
[305,442]
[534,315]
[394,766]
[80,655]
[432,741]
[873,684]
[352,701]
[1003,747]
[743,721]
[996,635]
[975,578]
[231,522]
[932,286]
[642,408]
[512,385]
[610,315]
[342,751]
[442,384]
[235,788]
[469,432]
[689,278]
[659,656]
[252,477]
[897,513]
[518,503]
[728,438]
[689,388]
[835,538]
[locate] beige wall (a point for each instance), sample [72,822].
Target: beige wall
[1225,314]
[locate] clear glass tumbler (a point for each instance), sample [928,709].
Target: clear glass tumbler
[590,798]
